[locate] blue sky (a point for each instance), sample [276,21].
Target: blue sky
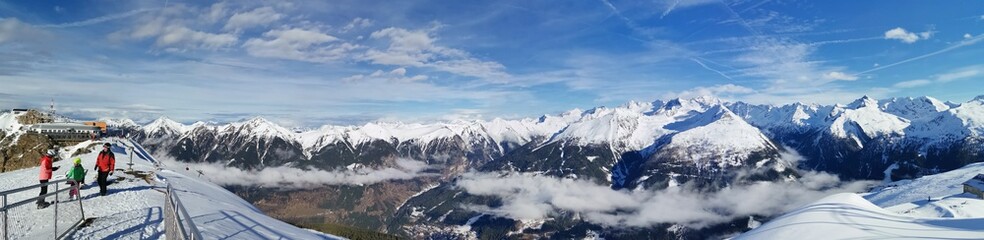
[307,63]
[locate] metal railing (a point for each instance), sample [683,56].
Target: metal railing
[58,235]
[177,222]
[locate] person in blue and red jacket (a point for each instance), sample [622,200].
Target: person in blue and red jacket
[45,175]
[105,163]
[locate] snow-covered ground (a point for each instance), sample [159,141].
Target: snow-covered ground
[931,207]
[133,208]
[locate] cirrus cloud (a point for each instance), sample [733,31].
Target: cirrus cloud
[299,44]
[256,17]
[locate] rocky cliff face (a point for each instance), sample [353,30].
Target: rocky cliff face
[19,149]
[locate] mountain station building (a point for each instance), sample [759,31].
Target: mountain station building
[66,133]
[975,186]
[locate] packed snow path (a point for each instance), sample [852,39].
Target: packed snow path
[133,208]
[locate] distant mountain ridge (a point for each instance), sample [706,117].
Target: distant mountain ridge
[923,123]
[704,142]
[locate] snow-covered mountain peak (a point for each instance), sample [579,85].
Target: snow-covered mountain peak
[699,104]
[257,121]
[713,114]
[970,116]
[707,100]
[124,122]
[576,112]
[260,127]
[164,126]
[568,116]
[862,102]
[716,137]
[638,106]
[979,98]
[914,108]
[866,122]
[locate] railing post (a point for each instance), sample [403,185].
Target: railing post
[5,217]
[78,191]
[56,210]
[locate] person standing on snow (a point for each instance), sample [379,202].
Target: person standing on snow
[45,175]
[75,178]
[105,163]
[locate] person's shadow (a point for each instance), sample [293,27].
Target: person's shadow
[111,191]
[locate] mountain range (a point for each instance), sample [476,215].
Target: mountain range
[703,142]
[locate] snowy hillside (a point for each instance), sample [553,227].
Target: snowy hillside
[931,207]
[9,123]
[913,108]
[862,119]
[717,137]
[132,210]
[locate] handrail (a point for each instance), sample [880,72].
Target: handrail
[33,199]
[21,189]
[5,208]
[177,218]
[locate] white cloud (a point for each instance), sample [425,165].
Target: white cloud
[901,34]
[790,72]
[959,74]
[13,30]
[377,73]
[489,70]
[967,35]
[175,35]
[172,29]
[464,114]
[906,36]
[299,44]
[826,94]
[216,12]
[926,35]
[396,75]
[304,178]
[257,17]
[357,23]
[721,91]
[418,49]
[399,72]
[353,78]
[781,61]
[670,5]
[98,20]
[840,76]
[530,196]
[912,83]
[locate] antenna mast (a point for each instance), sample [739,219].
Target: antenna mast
[51,111]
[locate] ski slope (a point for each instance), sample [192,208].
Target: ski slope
[931,207]
[133,207]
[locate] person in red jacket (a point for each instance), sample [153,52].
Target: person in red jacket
[105,163]
[45,175]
